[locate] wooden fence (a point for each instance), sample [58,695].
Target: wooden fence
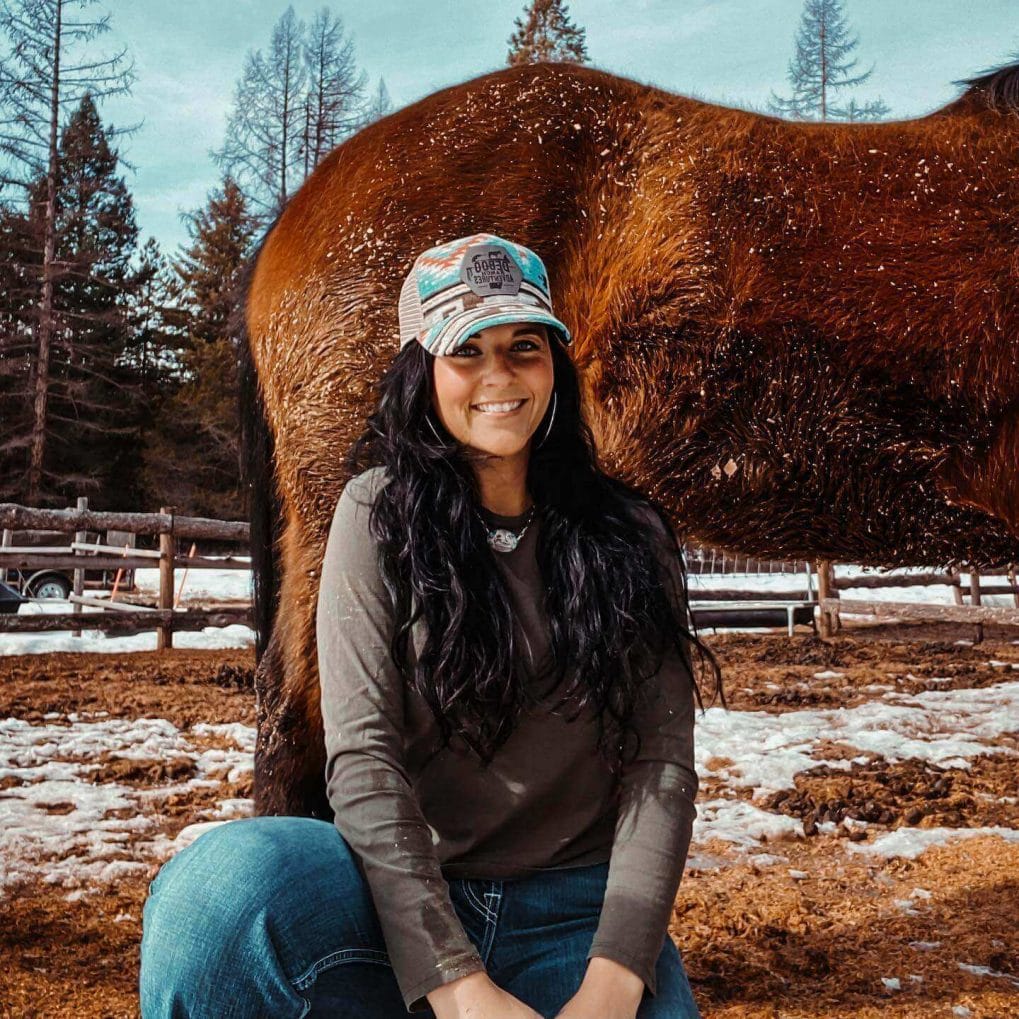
[820,577]
[832,605]
[123,617]
[132,616]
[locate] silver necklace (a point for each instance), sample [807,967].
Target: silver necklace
[504,540]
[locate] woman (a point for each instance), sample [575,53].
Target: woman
[507,697]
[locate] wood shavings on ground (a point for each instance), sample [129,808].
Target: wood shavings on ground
[856,853]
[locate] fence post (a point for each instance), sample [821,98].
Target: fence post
[956,586]
[164,635]
[824,590]
[836,618]
[974,598]
[79,573]
[5,542]
[1011,580]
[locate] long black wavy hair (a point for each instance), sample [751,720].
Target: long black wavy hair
[612,610]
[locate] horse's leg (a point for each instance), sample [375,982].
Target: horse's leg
[289,748]
[317,391]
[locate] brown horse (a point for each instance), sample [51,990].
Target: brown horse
[801,338]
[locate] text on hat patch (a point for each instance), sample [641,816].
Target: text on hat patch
[489,269]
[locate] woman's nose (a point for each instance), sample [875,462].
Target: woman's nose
[499,364]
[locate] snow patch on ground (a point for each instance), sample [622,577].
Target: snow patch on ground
[944,727]
[742,824]
[909,843]
[56,826]
[765,752]
[234,636]
[58,823]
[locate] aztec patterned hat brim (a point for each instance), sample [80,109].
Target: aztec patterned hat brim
[446,337]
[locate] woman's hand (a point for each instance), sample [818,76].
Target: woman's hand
[608,991]
[477,996]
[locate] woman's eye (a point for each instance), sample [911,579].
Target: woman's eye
[469,348]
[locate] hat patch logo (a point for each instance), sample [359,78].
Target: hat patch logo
[489,269]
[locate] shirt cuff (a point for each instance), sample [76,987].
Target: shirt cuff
[637,964]
[415,997]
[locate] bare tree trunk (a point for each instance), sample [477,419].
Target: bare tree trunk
[285,140]
[44,326]
[306,139]
[824,73]
[319,89]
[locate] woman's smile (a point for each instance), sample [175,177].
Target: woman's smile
[501,410]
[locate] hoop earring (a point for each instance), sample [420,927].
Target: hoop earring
[551,418]
[438,438]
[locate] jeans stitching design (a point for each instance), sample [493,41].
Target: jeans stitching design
[336,958]
[491,926]
[472,895]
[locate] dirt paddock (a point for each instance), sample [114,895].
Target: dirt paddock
[804,925]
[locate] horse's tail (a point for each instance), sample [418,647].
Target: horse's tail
[258,476]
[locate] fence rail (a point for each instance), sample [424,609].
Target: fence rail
[820,591]
[923,610]
[129,622]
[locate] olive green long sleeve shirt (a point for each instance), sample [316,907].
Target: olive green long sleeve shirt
[416,816]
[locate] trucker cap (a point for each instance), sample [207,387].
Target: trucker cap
[455,289]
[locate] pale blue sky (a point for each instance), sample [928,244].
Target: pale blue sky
[189,53]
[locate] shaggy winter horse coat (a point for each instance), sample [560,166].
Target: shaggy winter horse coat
[801,338]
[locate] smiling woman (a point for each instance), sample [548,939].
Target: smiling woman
[507,698]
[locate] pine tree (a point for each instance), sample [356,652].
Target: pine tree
[158,323]
[93,408]
[262,150]
[875,109]
[379,105]
[19,273]
[95,398]
[546,34]
[51,63]
[192,458]
[821,66]
[221,238]
[292,105]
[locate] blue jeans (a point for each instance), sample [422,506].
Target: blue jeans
[271,917]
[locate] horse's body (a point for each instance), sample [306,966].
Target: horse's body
[801,338]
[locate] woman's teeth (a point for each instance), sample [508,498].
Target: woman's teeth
[499,408]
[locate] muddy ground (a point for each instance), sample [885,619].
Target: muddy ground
[824,934]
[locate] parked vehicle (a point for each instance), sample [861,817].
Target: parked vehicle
[58,582]
[10,600]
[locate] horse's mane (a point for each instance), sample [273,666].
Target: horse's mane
[996,90]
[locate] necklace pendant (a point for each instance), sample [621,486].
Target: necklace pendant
[502,540]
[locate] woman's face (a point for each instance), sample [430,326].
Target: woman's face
[501,364]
